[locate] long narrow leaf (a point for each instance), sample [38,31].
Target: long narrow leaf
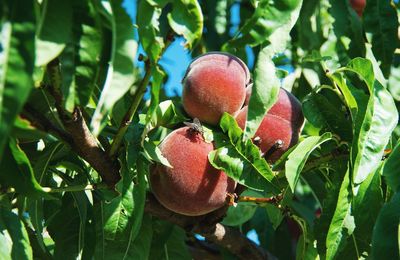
[16,63]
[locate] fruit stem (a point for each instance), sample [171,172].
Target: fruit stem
[271,200]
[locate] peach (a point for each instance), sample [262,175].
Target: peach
[274,136]
[358,6]
[287,107]
[193,186]
[214,83]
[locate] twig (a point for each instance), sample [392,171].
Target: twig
[272,200]
[132,110]
[39,121]
[83,142]
[136,100]
[213,231]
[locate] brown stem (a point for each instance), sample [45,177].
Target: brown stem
[83,142]
[39,121]
[272,200]
[208,226]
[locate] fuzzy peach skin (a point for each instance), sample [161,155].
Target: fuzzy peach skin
[271,129]
[287,107]
[214,83]
[193,186]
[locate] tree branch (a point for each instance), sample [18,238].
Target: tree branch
[39,121]
[85,144]
[80,138]
[209,227]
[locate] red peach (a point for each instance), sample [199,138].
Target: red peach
[273,129]
[193,186]
[214,83]
[287,107]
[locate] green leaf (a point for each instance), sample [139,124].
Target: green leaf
[69,226]
[263,96]
[298,157]
[274,215]
[16,171]
[309,38]
[154,153]
[380,20]
[158,77]
[240,160]
[186,19]
[323,111]
[35,206]
[167,114]
[16,63]
[81,57]
[348,30]
[140,247]
[161,233]
[123,214]
[265,21]
[175,247]
[14,241]
[128,249]
[120,220]
[373,128]
[365,207]
[54,30]
[329,205]
[391,167]
[120,74]
[394,78]
[342,224]
[385,238]
[148,22]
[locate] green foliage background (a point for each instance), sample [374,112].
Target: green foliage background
[346,74]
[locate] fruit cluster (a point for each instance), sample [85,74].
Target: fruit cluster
[216,83]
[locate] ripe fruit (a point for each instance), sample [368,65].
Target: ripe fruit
[272,130]
[287,107]
[193,186]
[280,127]
[358,6]
[214,83]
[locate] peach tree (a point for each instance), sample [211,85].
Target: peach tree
[296,149]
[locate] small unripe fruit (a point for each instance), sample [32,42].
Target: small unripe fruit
[193,186]
[214,83]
